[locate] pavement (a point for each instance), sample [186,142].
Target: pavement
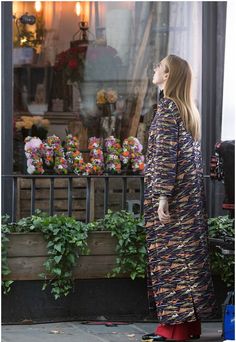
[80,332]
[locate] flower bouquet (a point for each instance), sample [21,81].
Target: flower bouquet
[54,155]
[113,151]
[106,100]
[131,156]
[73,155]
[33,151]
[96,156]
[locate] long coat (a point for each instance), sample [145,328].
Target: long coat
[180,278]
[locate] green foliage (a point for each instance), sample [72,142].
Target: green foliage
[220,227]
[6,284]
[130,234]
[65,237]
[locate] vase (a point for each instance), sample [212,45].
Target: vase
[108,109]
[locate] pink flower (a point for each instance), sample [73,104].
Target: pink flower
[32,143]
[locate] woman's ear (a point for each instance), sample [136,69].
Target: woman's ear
[166,75]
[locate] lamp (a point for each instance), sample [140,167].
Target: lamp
[82,11]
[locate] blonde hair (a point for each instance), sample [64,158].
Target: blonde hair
[178,88]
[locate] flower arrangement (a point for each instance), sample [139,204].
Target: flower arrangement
[113,151]
[28,122]
[73,155]
[86,62]
[54,155]
[33,126]
[132,153]
[33,152]
[96,156]
[106,96]
[50,154]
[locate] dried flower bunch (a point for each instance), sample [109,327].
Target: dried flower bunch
[106,96]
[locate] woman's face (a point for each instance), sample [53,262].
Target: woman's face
[160,76]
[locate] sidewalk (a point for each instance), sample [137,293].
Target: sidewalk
[78,332]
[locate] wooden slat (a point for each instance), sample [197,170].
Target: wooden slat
[59,182]
[58,204]
[101,243]
[88,267]
[33,244]
[58,193]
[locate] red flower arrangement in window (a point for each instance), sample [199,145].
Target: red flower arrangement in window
[88,62]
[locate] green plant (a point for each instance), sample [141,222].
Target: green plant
[6,284]
[65,237]
[220,227]
[130,235]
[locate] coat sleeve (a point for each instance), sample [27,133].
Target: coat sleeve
[165,152]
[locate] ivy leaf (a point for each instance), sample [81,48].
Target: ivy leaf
[57,247]
[57,258]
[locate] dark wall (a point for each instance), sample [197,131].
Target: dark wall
[213,37]
[7,107]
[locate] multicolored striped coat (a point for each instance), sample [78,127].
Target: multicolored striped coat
[180,278]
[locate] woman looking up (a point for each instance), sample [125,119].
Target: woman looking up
[174,209]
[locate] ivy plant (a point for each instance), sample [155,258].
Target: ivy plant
[65,238]
[5,228]
[220,227]
[131,242]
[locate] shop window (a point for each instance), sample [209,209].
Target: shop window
[87,66]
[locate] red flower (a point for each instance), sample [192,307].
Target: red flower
[73,63]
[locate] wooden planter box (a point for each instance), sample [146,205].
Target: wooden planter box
[27,252]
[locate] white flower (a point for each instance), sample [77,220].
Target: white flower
[31,169]
[29,162]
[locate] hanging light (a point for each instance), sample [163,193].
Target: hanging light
[38,6]
[77,8]
[82,10]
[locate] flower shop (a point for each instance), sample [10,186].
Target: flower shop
[78,104]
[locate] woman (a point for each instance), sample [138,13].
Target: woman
[174,209]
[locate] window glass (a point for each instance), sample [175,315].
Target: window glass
[87,67]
